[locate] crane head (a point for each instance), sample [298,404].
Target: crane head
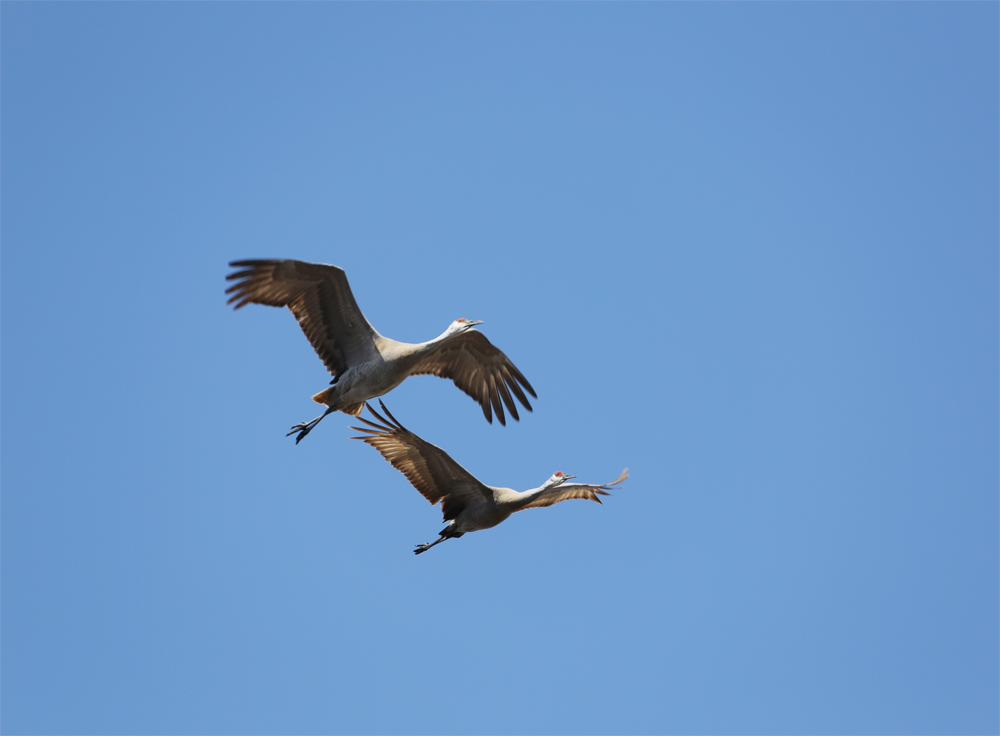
[557,478]
[462,325]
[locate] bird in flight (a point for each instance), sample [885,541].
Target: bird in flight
[468,504]
[363,363]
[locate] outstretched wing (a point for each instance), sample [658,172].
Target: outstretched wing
[481,370]
[321,300]
[429,468]
[576,490]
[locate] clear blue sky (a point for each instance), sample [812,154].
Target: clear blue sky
[749,251]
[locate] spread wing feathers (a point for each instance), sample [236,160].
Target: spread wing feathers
[577,490]
[428,468]
[321,300]
[481,370]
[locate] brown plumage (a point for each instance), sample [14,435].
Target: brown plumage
[364,364]
[468,503]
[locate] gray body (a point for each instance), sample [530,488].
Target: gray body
[391,363]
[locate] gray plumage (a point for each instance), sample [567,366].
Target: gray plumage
[466,502]
[364,364]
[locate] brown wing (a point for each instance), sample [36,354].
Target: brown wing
[321,300]
[577,490]
[428,468]
[480,369]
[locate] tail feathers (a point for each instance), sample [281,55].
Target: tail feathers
[327,398]
[324,397]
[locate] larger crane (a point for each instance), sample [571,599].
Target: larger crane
[364,364]
[468,503]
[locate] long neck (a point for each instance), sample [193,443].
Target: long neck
[422,348]
[523,498]
[408,353]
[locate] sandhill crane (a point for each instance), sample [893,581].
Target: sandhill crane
[467,503]
[363,363]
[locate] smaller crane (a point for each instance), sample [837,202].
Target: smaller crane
[468,503]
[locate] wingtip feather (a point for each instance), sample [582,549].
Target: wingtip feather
[388,413]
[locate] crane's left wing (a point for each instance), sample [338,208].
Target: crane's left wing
[481,370]
[575,490]
[428,468]
[321,300]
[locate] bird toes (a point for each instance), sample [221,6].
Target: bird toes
[301,429]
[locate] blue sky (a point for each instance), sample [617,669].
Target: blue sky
[748,251]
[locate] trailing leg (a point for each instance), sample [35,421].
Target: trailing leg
[445,534]
[424,547]
[304,428]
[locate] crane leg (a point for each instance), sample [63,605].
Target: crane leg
[304,428]
[424,547]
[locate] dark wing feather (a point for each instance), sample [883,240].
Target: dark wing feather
[321,300]
[576,490]
[481,370]
[428,468]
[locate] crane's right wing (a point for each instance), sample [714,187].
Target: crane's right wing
[481,370]
[428,468]
[321,300]
[566,491]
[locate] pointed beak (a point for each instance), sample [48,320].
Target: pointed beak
[567,477]
[473,322]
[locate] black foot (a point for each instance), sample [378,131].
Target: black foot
[421,548]
[302,429]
